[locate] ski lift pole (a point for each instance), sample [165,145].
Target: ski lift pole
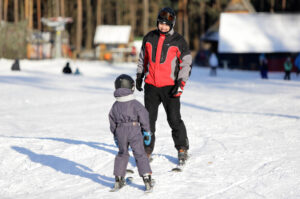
[58,24]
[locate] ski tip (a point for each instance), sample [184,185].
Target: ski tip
[149,191]
[129,171]
[114,190]
[177,169]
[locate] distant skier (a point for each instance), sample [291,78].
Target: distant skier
[288,65]
[213,63]
[263,66]
[67,69]
[165,63]
[297,64]
[16,66]
[128,118]
[77,72]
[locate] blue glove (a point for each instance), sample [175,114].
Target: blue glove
[147,138]
[116,141]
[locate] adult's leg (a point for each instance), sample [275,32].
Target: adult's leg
[152,101]
[172,108]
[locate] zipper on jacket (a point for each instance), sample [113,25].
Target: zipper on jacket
[158,54]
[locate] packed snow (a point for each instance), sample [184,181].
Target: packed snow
[55,140]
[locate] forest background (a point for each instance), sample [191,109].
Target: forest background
[194,17]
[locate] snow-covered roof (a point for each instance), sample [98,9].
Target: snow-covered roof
[112,34]
[259,32]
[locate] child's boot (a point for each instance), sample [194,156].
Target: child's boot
[149,182]
[119,182]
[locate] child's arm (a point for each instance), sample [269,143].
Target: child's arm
[112,123]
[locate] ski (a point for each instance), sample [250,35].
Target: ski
[128,181]
[179,167]
[129,171]
[181,164]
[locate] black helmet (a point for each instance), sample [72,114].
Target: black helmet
[124,81]
[167,15]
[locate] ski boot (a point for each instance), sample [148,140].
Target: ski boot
[182,156]
[149,183]
[120,182]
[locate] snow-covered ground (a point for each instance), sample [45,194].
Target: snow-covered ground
[55,141]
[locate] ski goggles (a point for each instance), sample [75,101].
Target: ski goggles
[166,15]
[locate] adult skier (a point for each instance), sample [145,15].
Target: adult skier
[165,65]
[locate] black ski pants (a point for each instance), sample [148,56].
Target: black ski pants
[154,96]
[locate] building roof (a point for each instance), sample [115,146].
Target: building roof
[112,34]
[257,33]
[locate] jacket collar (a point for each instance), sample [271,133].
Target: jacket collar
[125,98]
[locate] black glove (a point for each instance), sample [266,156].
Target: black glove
[139,81]
[177,88]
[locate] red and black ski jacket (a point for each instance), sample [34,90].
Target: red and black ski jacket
[164,58]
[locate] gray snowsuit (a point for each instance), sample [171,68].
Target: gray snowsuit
[127,118]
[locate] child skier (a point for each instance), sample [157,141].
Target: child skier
[128,118]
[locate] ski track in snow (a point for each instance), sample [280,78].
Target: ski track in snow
[55,138]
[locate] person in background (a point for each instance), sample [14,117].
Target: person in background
[213,63]
[297,64]
[16,66]
[67,69]
[263,66]
[288,66]
[77,72]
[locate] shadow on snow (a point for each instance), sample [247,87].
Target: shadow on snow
[236,112]
[65,166]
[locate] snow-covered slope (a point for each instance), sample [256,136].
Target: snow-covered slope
[55,141]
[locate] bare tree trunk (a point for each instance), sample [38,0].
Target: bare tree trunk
[56,6]
[26,9]
[62,8]
[89,34]
[132,10]
[79,26]
[283,4]
[202,16]
[186,21]
[73,14]
[118,12]
[49,10]
[39,14]
[109,15]
[1,13]
[218,5]
[22,10]
[5,9]
[155,8]
[146,16]
[272,6]
[180,17]
[30,14]
[99,18]
[262,5]
[16,11]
